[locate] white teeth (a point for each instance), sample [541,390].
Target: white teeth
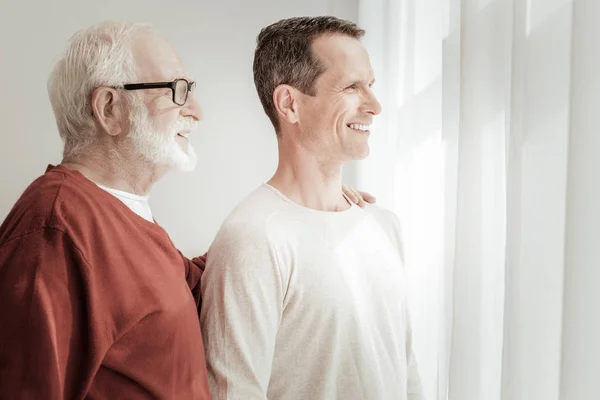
[360,127]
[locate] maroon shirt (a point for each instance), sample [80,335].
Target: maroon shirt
[95,301]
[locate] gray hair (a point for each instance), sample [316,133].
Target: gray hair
[97,56]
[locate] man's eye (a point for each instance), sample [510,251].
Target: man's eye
[352,87]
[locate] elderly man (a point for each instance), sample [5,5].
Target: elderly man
[96,300]
[305,293]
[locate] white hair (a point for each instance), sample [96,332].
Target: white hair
[97,56]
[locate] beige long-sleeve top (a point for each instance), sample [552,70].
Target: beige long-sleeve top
[306,304]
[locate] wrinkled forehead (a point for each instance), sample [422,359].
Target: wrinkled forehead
[156,58]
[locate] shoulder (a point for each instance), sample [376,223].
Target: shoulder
[35,208]
[61,200]
[253,218]
[388,221]
[250,232]
[386,218]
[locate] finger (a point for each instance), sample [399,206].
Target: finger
[369,198]
[361,202]
[350,193]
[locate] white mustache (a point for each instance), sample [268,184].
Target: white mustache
[184,125]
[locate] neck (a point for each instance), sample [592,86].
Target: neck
[308,180]
[109,168]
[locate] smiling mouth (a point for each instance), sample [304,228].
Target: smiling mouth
[360,127]
[184,135]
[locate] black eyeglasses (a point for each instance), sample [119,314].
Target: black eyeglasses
[180,88]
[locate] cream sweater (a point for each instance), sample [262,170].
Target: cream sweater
[306,304]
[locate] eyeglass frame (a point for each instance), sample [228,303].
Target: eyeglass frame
[163,85]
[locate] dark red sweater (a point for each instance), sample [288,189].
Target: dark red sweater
[95,301]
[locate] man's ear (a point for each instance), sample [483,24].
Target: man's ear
[108,108]
[285,99]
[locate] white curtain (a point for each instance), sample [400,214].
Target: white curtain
[489,151]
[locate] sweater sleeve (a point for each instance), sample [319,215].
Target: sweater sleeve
[242,294]
[48,336]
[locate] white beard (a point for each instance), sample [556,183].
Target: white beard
[161,148]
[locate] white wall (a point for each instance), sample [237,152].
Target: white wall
[235,142]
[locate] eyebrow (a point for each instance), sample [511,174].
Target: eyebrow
[360,81]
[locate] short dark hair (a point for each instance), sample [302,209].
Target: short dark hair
[283,55]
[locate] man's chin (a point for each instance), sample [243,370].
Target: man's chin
[187,167]
[187,162]
[361,154]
